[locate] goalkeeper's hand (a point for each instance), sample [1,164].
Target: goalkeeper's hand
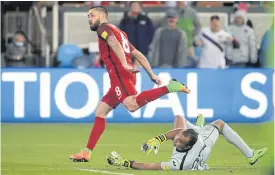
[116,160]
[153,144]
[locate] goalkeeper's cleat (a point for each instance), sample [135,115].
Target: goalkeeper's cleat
[175,86]
[83,156]
[257,154]
[200,120]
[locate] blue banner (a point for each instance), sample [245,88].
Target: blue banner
[72,95]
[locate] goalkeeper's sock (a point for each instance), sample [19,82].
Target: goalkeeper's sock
[150,95]
[233,138]
[98,129]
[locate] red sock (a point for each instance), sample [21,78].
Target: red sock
[151,95]
[98,129]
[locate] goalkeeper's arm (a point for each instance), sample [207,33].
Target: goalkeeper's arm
[145,166]
[115,159]
[154,143]
[155,166]
[171,134]
[149,166]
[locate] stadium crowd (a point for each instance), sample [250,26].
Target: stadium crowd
[176,41]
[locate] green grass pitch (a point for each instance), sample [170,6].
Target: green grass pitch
[43,149]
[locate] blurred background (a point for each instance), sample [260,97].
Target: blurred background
[52,74]
[56,34]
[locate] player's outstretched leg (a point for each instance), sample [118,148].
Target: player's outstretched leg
[232,137]
[153,94]
[136,102]
[97,130]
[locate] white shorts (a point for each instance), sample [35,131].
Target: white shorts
[210,135]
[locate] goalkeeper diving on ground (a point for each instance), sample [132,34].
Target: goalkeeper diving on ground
[192,146]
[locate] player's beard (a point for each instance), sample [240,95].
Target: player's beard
[95,26]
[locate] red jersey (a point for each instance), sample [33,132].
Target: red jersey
[109,58]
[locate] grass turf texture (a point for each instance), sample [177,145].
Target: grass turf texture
[43,149]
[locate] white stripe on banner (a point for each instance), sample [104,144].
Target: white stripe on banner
[105,172]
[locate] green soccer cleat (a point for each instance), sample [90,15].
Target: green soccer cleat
[175,86]
[257,154]
[200,120]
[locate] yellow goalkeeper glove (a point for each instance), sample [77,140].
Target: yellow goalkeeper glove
[116,160]
[153,144]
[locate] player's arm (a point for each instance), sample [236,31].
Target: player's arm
[144,63]
[108,36]
[142,60]
[117,48]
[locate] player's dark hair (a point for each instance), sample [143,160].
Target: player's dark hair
[214,17]
[101,9]
[193,137]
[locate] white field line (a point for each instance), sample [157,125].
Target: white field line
[55,145]
[105,172]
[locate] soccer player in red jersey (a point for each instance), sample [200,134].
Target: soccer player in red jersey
[116,52]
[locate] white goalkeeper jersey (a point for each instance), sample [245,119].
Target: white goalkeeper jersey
[193,159]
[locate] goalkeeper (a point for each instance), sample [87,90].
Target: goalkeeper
[192,146]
